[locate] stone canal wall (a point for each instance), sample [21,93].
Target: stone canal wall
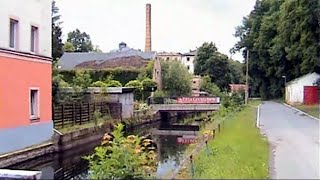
[26,154]
[63,142]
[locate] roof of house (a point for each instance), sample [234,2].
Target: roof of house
[304,76]
[71,60]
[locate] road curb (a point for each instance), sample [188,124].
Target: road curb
[301,111]
[258,116]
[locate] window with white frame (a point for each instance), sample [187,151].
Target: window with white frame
[34,104]
[13,33]
[34,39]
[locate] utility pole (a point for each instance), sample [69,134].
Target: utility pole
[247,83]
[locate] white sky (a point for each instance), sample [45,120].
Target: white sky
[177,25]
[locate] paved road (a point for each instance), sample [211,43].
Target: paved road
[294,142]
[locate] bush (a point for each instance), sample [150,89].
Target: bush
[209,87]
[114,83]
[82,79]
[158,97]
[136,84]
[121,157]
[99,84]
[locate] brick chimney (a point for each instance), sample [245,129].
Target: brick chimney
[148,28]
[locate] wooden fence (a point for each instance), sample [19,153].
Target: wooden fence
[71,114]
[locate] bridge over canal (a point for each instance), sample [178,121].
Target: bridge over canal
[191,104]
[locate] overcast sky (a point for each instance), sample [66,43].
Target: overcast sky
[177,25]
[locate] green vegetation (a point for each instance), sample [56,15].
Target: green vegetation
[209,87]
[221,70]
[282,37]
[238,151]
[176,79]
[121,157]
[119,74]
[312,110]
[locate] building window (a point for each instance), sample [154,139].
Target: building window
[188,58]
[175,58]
[34,104]
[188,67]
[34,39]
[13,33]
[168,58]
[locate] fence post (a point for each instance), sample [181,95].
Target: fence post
[73,114]
[89,114]
[80,113]
[62,115]
[192,168]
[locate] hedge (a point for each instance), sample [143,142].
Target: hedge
[121,75]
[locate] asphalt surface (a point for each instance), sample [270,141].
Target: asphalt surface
[294,142]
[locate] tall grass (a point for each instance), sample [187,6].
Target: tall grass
[239,151]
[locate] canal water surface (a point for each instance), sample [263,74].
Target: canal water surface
[71,165]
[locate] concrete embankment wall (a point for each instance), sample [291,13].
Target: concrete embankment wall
[63,142]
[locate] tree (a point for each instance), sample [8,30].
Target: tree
[82,79]
[97,49]
[57,44]
[210,62]
[282,38]
[176,79]
[208,86]
[147,71]
[68,47]
[80,40]
[120,157]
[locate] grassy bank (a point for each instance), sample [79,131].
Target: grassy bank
[312,110]
[239,151]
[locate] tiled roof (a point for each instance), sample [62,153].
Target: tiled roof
[70,60]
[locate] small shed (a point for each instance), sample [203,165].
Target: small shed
[299,89]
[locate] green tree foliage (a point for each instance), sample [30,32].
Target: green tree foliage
[176,79]
[208,86]
[147,71]
[68,47]
[56,33]
[122,157]
[282,37]
[148,84]
[82,79]
[221,70]
[81,41]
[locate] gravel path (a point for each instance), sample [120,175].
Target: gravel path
[294,142]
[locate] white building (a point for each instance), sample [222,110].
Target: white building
[295,88]
[29,26]
[188,61]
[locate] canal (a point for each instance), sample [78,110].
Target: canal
[71,165]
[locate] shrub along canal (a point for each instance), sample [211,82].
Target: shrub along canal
[71,165]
